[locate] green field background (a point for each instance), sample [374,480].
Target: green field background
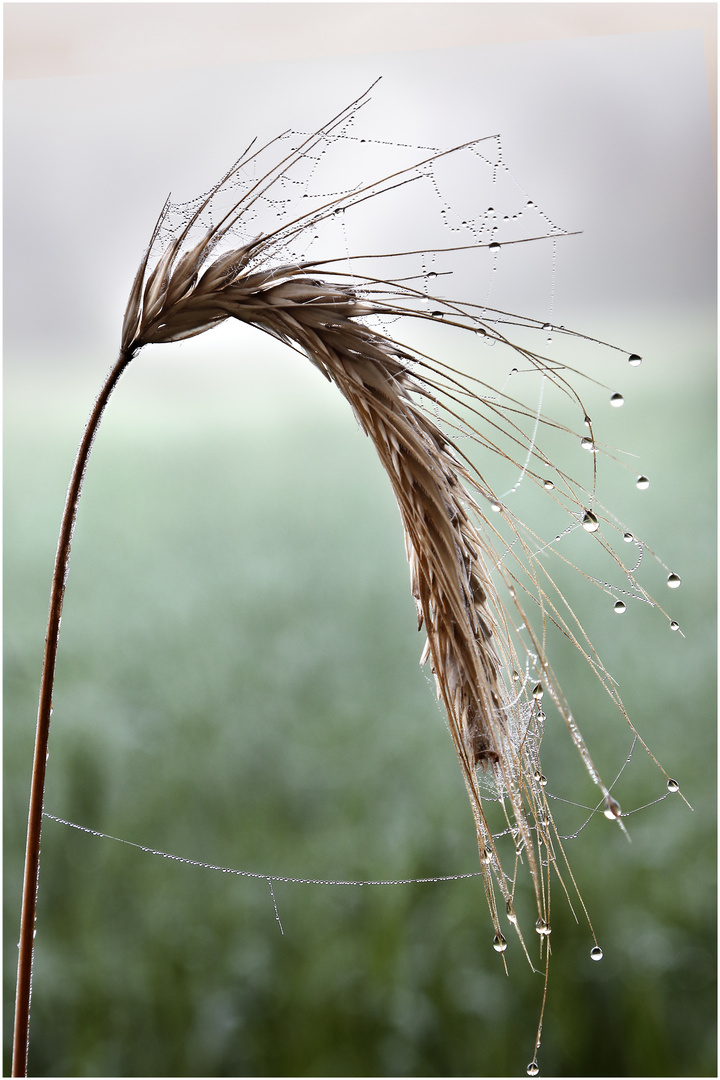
[238,684]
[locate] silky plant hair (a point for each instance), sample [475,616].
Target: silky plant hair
[481,579]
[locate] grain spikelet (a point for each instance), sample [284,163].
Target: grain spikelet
[491,683]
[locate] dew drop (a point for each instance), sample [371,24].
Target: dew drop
[542,928]
[512,917]
[496,507]
[538,691]
[642,483]
[674,625]
[587,444]
[548,485]
[673,581]
[533,1068]
[485,856]
[634,360]
[437,314]
[432,274]
[516,676]
[499,943]
[617,400]
[596,953]
[619,607]
[494,246]
[538,776]
[673,786]
[590,522]
[587,421]
[547,327]
[628,538]
[612,808]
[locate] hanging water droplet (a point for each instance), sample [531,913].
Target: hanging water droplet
[496,506]
[538,692]
[673,581]
[587,444]
[590,522]
[642,483]
[673,786]
[494,246]
[596,953]
[619,607]
[432,273]
[533,1068]
[499,943]
[617,400]
[628,538]
[634,360]
[587,421]
[485,856]
[542,928]
[612,808]
[538,776]
[547,327]
[512,917]
[674,625]
[516,676]
[548,485]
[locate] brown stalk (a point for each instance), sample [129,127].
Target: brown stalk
[37,790]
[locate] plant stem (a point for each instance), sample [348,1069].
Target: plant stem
[37,790]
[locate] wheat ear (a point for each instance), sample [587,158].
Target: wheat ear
[336,320]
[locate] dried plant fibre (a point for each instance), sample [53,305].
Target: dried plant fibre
[484,596]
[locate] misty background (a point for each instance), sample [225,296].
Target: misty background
[237,677]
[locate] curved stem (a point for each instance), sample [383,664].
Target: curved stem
[37,790]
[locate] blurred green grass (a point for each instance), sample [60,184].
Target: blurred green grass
[238,683]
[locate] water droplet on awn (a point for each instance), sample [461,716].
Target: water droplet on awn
[590,522]
[499,943]
[634,360]
[548,485]
[628,538]
[596,953]
[642,483]
[533,1068]
[612,808]
[674,625]
[673,786]
[587,444]
[619,607]
[617,400]
[673,581]
[494,246]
